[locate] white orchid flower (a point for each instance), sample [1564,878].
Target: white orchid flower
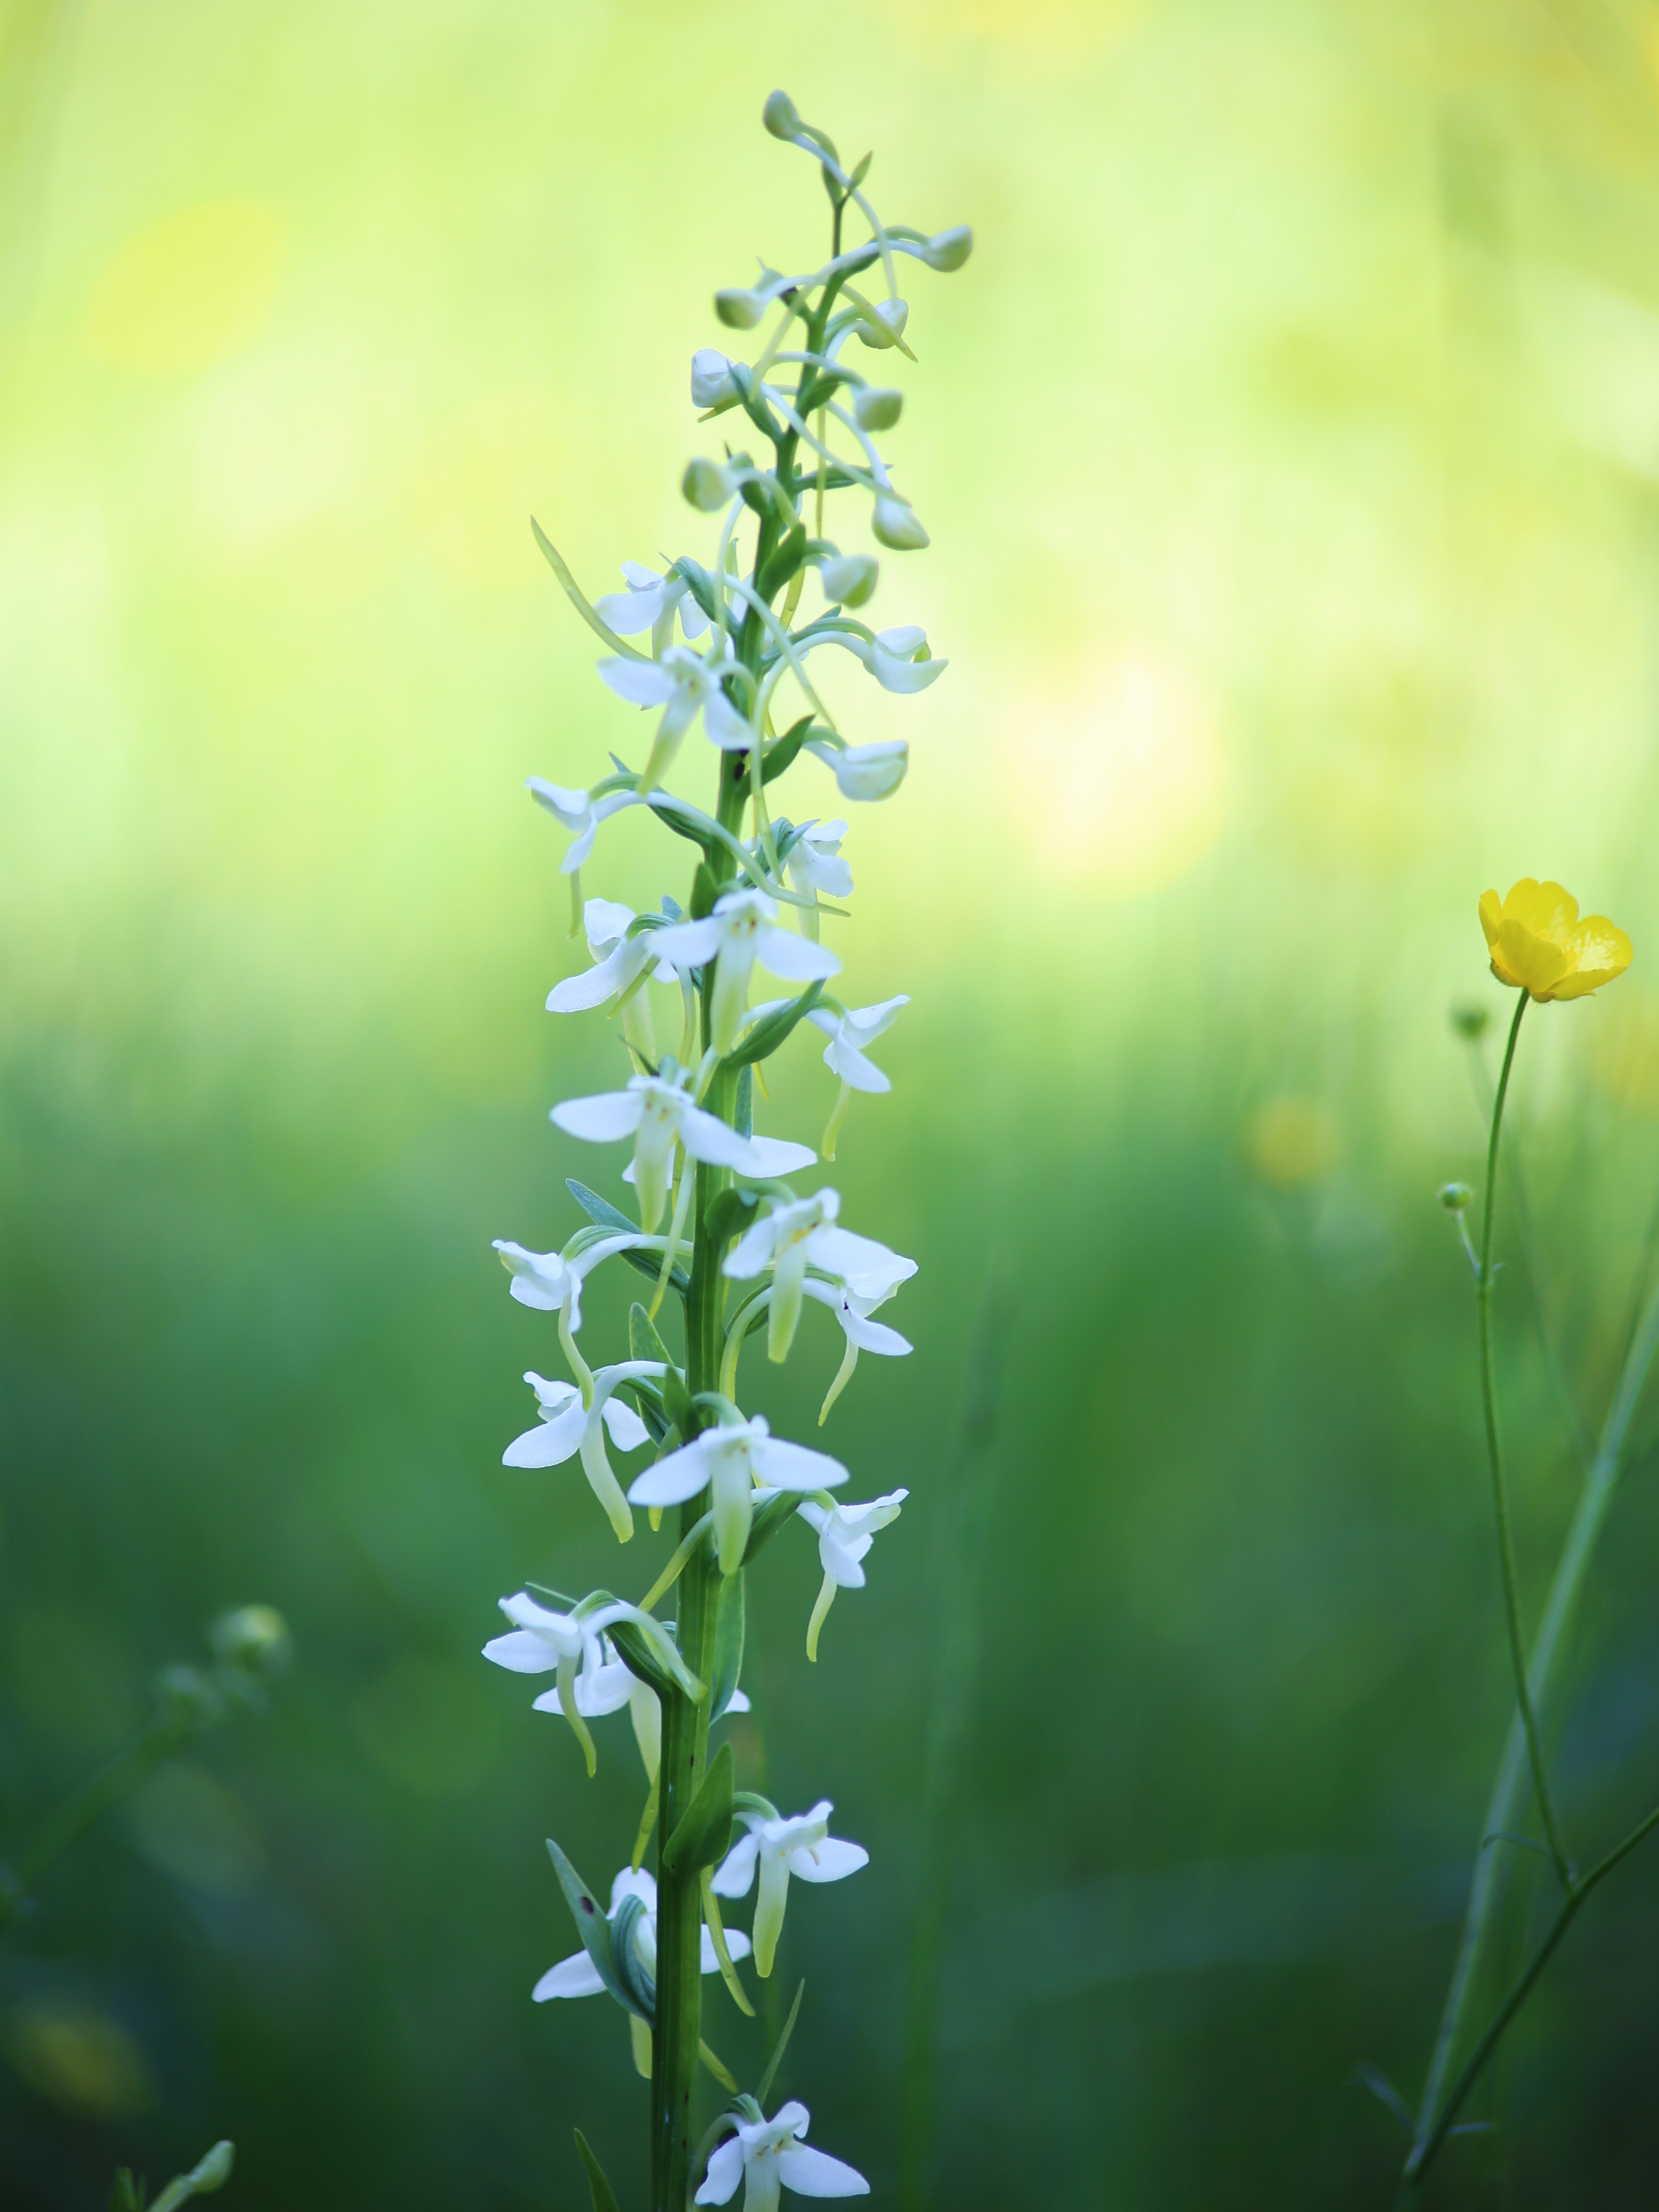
[768,2155]
[579,814]
[845,1535]
[619,959]
[773,1156]
[574,1645]
[650,599]
[862,1335]
[849,1030]
[550,1283]
[865,772]
[657,1112]
[802,1846]
[790,1239]
[742,930]
[567,1427]
[728,1462]
[711,378]
[578,1977]
[814,863]
[684,685]
[897,659]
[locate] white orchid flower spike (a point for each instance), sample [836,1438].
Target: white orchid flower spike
[850,1030]
[741,931]
[845,1535]
[792,1238]
[684,685]
[657,1112]
[567,1427]
[579,814]
[768,2155]
[542,1641]
[802,1846]
[728,1462]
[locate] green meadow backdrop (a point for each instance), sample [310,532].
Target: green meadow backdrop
[1290,451]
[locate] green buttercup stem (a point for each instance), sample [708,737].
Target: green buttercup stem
[1495,1463]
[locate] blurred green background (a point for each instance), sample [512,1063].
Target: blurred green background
[1290,449]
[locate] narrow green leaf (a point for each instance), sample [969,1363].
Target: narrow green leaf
[766,1036]
[727,1219]
[763,2087]
[604,2198]
[704,891]
[592,1926]
[616,1224]
[728,1643]
[643,1341]
[703,1834]
[742,1106]
[782,751]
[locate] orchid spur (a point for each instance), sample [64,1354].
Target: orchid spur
[720,645]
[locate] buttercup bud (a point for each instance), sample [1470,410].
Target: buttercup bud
[850,579]
[877,409]
[740,310]
[881,323]
[1470,1023]
[254,1636]
[949,249]
[711,377]
[895,524]
[1454,1196]
[706,485]
[780,116]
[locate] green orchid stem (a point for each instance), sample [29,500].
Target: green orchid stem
[1418,2163]
[1495,1460]
[1600,1484]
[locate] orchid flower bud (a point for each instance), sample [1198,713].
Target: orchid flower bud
[780,116]
[949,249]
[740,310]
[880,326]
[1454,1196]
[895,524]
[850,579]
[706,486]
[865,772]
[877,409]
[711,377]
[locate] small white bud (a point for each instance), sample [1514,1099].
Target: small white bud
[706,485]
[895,524]
[738,309]
[849,578]
[780,116]
[711,377]
[213,2171]
[881,323]
[875,409]
[867,772]
[949,249]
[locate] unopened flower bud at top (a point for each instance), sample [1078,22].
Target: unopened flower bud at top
[1454,1196]
[253,1636]
[740,310]
[949,249]
[850,579]
[1470,1023]
[711,377]
[780,116]
[877,409]
[706,485]
[895,524]
[881,323]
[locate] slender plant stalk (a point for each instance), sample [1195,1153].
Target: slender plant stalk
[1424,2151]
[1495,1463]
[1558,1609]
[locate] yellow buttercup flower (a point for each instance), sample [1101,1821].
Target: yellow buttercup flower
[1538,943]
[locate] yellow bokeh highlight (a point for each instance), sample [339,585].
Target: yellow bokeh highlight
[79,2060]
[1291,1142]
[1123,778]
[185,291]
